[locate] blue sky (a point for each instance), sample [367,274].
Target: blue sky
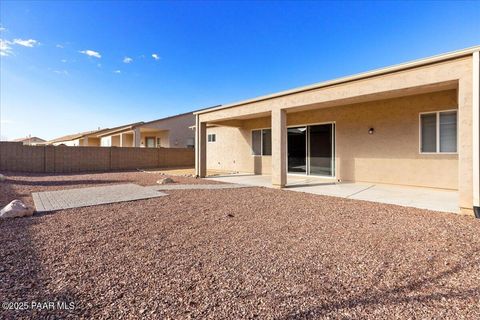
[63,68]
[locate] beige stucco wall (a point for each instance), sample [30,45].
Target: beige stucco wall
[390,155]
[89,142]
[175,131]
[127,140]
[69,143]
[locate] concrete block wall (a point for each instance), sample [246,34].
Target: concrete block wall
[14,156]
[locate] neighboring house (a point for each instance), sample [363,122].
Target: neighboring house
[170,132]
[31,141]
[81,139]
[413,124]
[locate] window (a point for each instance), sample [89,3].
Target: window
[438,132]
[257,142]
[158,142]
[267,142]
[262,142]
[150,142]
[212,137]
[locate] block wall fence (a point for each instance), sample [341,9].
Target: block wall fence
[14,156]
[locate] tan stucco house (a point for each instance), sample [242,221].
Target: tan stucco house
[169,132]
[81,139]
[413,124]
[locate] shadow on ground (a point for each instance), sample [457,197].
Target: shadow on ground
[23,279]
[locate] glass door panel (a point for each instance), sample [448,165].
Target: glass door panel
[321,150]
[297,150]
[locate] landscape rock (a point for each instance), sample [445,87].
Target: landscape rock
[16,208]
[165,181]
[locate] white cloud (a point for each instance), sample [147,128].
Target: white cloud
[62,72]
[6,45]
[64,60]
[117,71]
[155,56]
[5,48]
[2,29]
[127,60]
[30,43]
[60,46]
[91,53]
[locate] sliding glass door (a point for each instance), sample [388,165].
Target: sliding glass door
[311,150]
[321,152]
[297,150]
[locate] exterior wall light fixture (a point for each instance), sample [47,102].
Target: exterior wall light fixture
[371,131]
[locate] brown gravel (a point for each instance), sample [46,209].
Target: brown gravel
[238,253]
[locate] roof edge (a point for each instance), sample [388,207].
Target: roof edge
[376,72]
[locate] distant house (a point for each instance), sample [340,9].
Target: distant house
[170,132]
[31,141]
[81,139]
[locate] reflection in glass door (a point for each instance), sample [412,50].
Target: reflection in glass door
[321,150]
[297,150]
[311,150]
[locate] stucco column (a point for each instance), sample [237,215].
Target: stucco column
[465,145]
[200,148]
[136,137]
[279,148]
[121,139]
[476,132]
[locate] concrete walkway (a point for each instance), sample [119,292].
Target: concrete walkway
[199,186]
[84,197]
[424,198]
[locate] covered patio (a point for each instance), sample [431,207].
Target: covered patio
[406,135]
[423,198]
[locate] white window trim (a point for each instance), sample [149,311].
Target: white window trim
[261,142]
[437,119]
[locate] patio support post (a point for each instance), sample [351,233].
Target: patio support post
[136,137]
[476,133]
[466,145]
[121,139]
[279,148]
[200,148]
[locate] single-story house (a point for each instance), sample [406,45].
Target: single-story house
[170,132]
[81,139]
[413,124]
[30,141]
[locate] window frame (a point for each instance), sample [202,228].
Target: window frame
[261,142]
[437,131]
[154,141]
[213,136]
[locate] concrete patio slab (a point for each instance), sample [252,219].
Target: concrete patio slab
[199,186]
[424,198]
[84,197]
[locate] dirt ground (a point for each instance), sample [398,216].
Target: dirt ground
[236,253]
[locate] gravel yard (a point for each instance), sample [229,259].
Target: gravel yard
[236,253]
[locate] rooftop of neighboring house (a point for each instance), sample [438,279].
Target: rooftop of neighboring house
[29,140]
[76,136]
[109,131]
